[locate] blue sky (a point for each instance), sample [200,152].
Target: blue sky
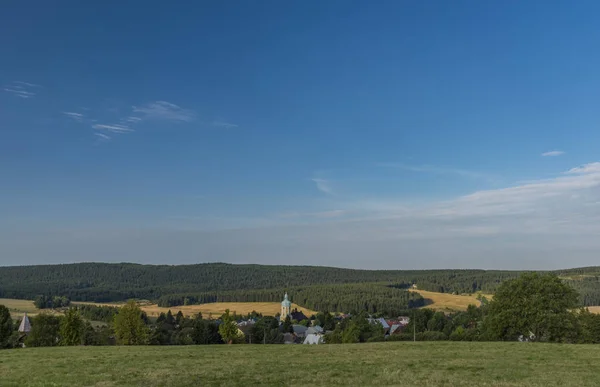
[383,134]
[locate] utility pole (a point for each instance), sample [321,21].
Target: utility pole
[414,326]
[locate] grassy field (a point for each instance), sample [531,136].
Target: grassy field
[398,363]
[216,308]
[448,302]
[18,307]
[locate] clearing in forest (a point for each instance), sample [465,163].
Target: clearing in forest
[448,302]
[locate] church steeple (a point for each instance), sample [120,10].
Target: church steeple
[286,307]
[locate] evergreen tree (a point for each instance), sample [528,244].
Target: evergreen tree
[6,326]
[71,328]
[129,325]
[45,331]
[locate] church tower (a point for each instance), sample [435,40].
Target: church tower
[286,307]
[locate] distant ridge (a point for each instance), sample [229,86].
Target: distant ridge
[95,281]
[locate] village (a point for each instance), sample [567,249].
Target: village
[304,330]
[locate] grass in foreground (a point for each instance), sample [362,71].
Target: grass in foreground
[409,364]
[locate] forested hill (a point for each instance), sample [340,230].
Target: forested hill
[103,281]
[114,282]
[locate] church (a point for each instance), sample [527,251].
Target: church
[286,310]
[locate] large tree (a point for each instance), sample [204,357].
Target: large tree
[228,329]
[45,331]
[536,306]
[130,328]
[6,326]
[71,328]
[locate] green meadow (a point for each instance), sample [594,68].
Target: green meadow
[397,363]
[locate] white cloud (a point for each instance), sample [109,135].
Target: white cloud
[132,120]
[102,136]
[75,116]
[225,125]
[26,84]
[323,185]
[553,153]
[162,110]
[437,170]
[22,89]
[115,128]
[319,215]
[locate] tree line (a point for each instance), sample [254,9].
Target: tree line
[533,307]
[102,282]
[371,298]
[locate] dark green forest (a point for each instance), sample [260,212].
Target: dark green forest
[372,298]
[171,285]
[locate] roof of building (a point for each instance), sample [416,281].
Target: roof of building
[298,316]
[313,339]
[299,329]
[313,330]
[25,326]
[286,302]
[381,321]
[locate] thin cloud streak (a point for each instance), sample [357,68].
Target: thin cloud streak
[225,125]
[22,89]
[437,170]
[74,116]
[553,153]
[163,110]
[113,128]
[323,186]
[102,136]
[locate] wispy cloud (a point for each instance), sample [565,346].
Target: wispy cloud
[74,116]
[553,153]
[437,170]
[22,89]
[225,125]
[320,215]
[132,120]
[115,128]
[323,185]
[162,110]
[102,136]
[26,84]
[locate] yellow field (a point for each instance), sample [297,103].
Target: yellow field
[215,309]
[594,309]
[448,302]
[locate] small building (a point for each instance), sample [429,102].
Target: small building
[314,339]
[381,321]
[316,330]
[299,330]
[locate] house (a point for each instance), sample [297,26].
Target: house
[316,330]
[396,329]
[299,331]
[245,326]
[381,321]
[313,339]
